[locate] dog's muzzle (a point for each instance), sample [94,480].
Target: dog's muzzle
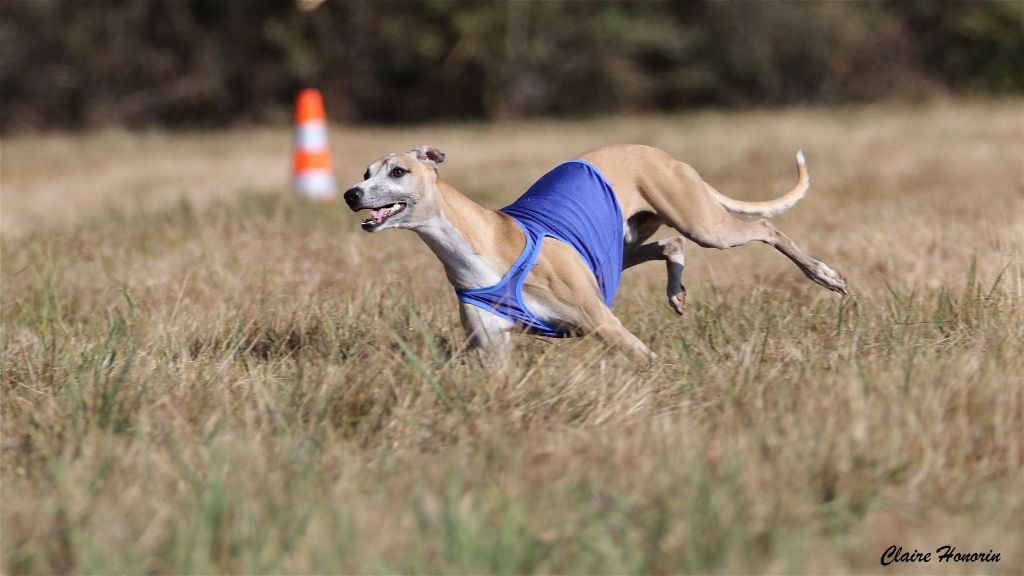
[378,214]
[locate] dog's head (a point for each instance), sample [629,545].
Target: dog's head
[399,190]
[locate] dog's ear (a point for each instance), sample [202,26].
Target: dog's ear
[429,155]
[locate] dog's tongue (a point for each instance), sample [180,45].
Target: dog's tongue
[380,214]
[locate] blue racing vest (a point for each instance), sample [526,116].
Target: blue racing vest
[572,203]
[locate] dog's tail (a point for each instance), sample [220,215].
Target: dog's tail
[771,207]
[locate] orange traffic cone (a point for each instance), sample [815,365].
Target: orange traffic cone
[312,170]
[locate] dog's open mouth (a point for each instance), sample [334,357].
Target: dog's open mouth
[379,215]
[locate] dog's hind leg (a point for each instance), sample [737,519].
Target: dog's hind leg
[679,196]
[593,317]
[562,290]
[610,330]
[671,251]
[576,305]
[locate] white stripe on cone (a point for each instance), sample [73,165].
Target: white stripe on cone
[316,183]
[311,136]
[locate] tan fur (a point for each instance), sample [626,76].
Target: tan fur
[492,234]
[649,182]
[653,189]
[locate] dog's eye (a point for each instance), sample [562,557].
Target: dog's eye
[397,172]
[366,175]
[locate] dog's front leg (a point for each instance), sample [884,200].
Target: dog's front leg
[487,333]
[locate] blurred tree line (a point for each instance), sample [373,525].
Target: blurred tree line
[78,64]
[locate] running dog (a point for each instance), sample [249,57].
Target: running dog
[550,262]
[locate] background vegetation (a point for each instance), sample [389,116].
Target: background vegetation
[196,63]
[203,373]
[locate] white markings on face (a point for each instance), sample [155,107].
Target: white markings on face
[391,190]
[389,193]
[378,171]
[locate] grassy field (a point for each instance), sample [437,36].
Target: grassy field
[205,374]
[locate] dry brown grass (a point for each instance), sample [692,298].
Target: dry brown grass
[204,374]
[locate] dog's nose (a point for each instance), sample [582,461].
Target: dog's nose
[352,196]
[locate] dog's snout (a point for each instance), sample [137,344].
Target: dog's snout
[353,195]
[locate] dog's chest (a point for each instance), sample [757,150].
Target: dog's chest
[463,265]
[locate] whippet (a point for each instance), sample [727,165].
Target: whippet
[549,263]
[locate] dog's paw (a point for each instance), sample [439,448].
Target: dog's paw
[830,279]
[678,300]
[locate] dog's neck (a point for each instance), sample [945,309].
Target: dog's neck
[476,245]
